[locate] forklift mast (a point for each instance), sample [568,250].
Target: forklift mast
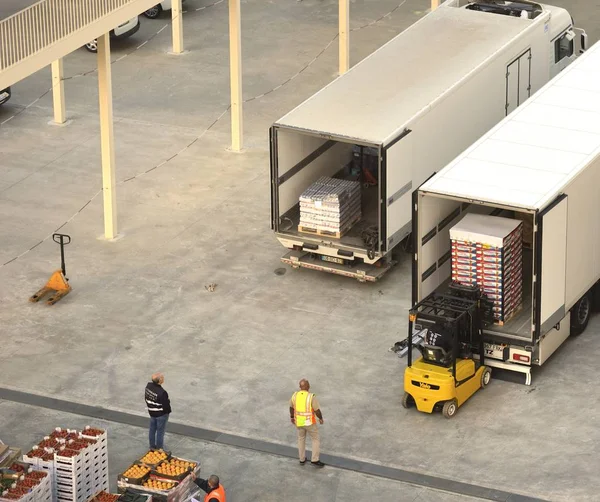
[462,311]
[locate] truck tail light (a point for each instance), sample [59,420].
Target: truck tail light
[521,358]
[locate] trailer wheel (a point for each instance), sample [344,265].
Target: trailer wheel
[407,401]
[486,376]
[580,315]
[450,408]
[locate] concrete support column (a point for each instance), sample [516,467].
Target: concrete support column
[344,22]
[107,138]
[58,92]
[235,69]
[435,4]
[177,17]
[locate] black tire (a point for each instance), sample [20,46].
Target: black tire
[595,295]
[486,377]
[407,401]
[92,46]
[153,12]
[580,315]
[450,408]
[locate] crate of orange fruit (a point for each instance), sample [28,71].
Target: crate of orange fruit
[154,457]
[173,468]
[159,484]
[135,474]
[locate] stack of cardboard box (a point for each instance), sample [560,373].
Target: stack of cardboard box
[487,251]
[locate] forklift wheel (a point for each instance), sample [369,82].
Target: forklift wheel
[450,408]
[486,377]
[407,401]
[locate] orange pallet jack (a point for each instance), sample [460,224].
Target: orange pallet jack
[58,284]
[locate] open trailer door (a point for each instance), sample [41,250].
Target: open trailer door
[432,219]
[550,265]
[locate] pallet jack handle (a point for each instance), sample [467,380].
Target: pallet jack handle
[63,240]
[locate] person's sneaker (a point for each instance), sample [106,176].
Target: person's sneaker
[302,462]
[318,463]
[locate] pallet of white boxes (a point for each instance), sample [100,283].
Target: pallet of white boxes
[330,207]
[77,462]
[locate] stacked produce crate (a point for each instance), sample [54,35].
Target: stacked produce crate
[77,462]
[98,460]
[487,251]
[8,454]
[330,207]
[104,496]
[20,482]
[159,474]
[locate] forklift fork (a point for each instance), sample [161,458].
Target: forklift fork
[58,282]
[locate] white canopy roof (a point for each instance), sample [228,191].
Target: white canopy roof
[533,154]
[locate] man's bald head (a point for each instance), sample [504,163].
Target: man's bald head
[158,378]
[304,385]
[213,481]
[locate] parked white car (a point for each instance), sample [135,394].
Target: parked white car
[155,11]
[122,31]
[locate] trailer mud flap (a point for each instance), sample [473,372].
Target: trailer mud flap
[550,265]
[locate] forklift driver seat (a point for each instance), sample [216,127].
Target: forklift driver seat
[436,355]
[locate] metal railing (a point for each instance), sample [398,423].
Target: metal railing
[41,25]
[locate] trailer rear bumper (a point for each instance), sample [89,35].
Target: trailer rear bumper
[519,368]
[362,272]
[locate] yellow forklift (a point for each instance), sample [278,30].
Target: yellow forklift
[452,363]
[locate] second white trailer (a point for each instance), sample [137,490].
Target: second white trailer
[540,165]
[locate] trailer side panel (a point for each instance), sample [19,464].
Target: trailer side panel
[583,233]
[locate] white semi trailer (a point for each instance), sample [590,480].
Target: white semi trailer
[540,165]
[404,112]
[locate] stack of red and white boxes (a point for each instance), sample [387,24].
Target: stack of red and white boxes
[487,251]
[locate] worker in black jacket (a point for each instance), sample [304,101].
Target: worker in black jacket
[159,407]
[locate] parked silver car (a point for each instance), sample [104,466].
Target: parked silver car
[123,31]
[4,95]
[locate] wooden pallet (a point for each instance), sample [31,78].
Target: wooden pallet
[329,233]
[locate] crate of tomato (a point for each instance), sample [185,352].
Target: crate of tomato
[103,496]
[31,486]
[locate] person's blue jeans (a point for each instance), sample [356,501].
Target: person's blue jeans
[157,431]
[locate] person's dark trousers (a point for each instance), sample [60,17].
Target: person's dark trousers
[157,431]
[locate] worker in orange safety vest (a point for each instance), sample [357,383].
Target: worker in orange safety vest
[304,411]
[214,490]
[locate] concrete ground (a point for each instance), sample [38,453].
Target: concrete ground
[246,475]
[233,357]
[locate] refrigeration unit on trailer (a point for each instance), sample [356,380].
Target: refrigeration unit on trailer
[517,214]
[345,162]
